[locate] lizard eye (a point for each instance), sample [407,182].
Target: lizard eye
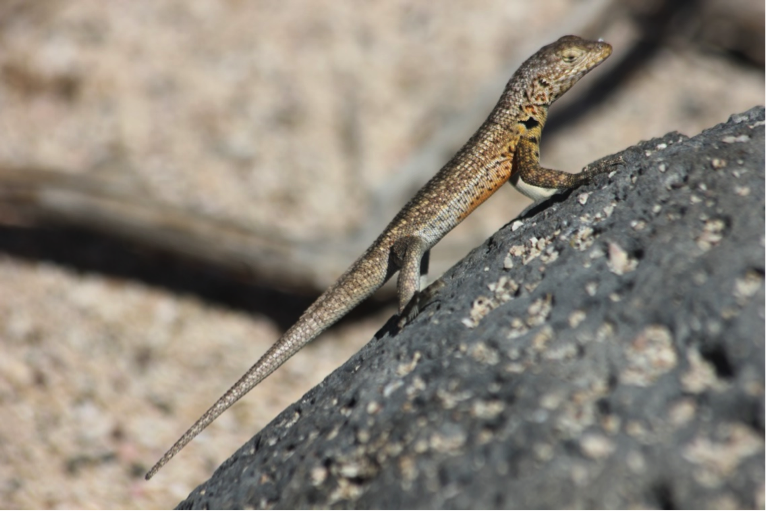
[570,55]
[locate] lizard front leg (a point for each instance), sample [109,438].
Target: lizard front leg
[537,182]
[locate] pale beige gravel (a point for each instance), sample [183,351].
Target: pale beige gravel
[243,109]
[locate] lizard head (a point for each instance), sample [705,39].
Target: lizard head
[549,73]
[555,68]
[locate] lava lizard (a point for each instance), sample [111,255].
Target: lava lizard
[505,148]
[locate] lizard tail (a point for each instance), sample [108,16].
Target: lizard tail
[360,281]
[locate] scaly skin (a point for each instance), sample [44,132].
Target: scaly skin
[505,148]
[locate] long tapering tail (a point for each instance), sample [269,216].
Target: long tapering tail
[364,277]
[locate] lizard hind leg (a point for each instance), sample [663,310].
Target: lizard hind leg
[414,256]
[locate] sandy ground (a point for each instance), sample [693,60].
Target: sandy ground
[273,113]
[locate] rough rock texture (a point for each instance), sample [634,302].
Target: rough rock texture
[603,350]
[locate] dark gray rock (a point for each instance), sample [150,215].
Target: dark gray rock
[604,350]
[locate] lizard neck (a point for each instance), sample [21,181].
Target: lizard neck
[524,120]
[522,107]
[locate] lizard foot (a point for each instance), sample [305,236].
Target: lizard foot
[418,302]
[602,166]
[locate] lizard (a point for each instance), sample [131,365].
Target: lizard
[504,149]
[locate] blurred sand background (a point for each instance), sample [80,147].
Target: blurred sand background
[276,113]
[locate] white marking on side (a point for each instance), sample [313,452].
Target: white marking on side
[534,192]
